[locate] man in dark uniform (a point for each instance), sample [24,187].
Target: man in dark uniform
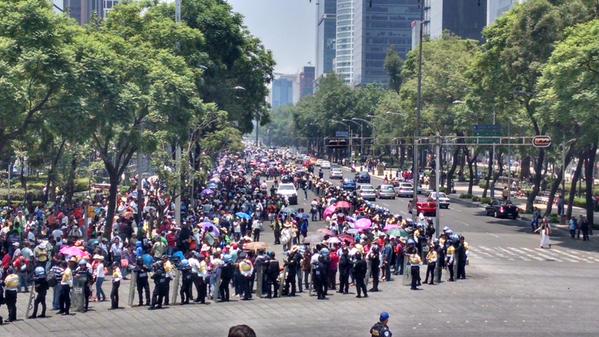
[461,258]
[186,282]
[142,283]
[375,262]
[319,277]
[440,261]
[345,266]
[359,271]
[272,273]
[41,288]
[292,263]
[85,276]
[380,328]
[160,286]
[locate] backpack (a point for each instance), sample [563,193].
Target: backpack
[51,278]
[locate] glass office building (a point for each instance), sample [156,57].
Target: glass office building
[386,23]
[345,40]
[325,36]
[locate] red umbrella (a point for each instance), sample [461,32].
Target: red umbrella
[343,204]
[329,211]
[326,231]
[72,251]
[347,237]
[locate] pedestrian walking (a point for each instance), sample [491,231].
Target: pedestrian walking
[116,283]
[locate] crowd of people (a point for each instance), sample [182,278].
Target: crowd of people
[216,248]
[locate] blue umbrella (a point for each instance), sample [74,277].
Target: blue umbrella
[207,192]
[242,215]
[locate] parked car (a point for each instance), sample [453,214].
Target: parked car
[336,173]
[318,162]
[287,190]
[348,184]
[385,192]
[366,192]
[426,207]
[325,164]
[502,209]
[443,199]
[405,190]
[363,178]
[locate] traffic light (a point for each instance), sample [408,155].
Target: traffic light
[541,141]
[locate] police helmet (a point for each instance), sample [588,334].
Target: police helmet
[184,263]
[39,272]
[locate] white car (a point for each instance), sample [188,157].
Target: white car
[405,190]
[318,162]
[443,199]
[325,164]
[288,191]
[366,192]
[336,173]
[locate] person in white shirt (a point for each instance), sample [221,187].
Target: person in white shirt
[99,276]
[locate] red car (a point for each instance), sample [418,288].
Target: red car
[426,207]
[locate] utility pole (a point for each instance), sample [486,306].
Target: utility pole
[416,173]
[437,183]
[257,128]
[178,146]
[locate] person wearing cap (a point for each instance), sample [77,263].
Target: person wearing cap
[381,328]
[11,283]
[41,288]
[359,271]
[345,266]
[84,275]
[431,261]
[99,277]
[141,278]
[415,262]
[116,283]
[246,269]
[449,261]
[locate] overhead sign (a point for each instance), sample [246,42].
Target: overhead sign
[337,143]
[541,141]
[342,134]
[488,130]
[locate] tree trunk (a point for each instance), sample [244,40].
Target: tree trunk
[462,162]
[525,169]
[23,178]
[470,162]
[588,175]
[112,195]
[70,185]
[499,172]
[556,183]
[52,172]
[575,178]
[454,165]
[536,181]
[489,170]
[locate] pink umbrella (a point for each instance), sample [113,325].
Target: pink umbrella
[363,224]
[389,228]
[72,251]
[343,204]
[329,211]
[326,231]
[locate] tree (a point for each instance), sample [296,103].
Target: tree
[570,93]
[393,65]
[34,63]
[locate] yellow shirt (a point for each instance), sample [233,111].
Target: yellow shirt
[67,277]
[168,266]
[431,257]
[116,274]
[415,259]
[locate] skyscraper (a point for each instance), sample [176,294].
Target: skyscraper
[345,40]
[325,36]
[464,18]
[496,8]
[386,23]
[306,79]
[282,91]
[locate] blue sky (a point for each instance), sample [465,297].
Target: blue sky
[287,27]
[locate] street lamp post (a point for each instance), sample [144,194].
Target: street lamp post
[361,134]
[373,132]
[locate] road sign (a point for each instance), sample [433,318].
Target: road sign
[487,130]
[342,134]
[337,143]
[541,141]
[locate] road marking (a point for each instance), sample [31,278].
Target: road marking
[494,251]
[551,252]
[525,253]
[547,257]
[570,255]
[494,235]
[476,252]
[519,256]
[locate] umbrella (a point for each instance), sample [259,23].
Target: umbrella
[329,211]
[255,246]
[215,179]
[343,204]
[288,210]
[326,231]
[210,227]
[72,251]
[389,228]
[347,237]
[334,239]
[363,224]
[398,232]
[207,192]
[242,215]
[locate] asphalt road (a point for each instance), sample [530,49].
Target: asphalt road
[513,289]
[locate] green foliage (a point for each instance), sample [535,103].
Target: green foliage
[465,196]
[485,200]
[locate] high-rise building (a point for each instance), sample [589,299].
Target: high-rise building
[325,36]
[464,18]
[84,10]
[306,82]
[377,27]
[282,91]
[496,8]
[345,40]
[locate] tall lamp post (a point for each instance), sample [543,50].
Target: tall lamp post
[373,132]
[361,134]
